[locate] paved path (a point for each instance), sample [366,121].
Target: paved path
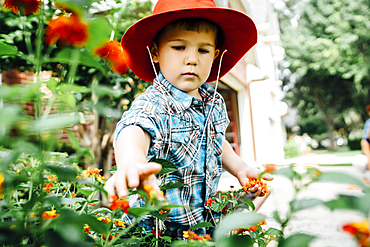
[319,220]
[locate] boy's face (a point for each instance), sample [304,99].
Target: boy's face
[186,57]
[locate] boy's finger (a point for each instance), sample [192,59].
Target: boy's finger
[150,168]
[132,178]
[109,187]
[267,177]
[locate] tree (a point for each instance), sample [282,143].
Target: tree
[328,56]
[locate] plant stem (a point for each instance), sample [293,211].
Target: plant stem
[107,243]
[92,195]
[73,65]
[27,36]
[156,231]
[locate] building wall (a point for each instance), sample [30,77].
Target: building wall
[255,79]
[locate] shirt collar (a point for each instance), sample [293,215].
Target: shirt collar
[179,100]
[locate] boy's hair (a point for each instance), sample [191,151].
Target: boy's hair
[192,24]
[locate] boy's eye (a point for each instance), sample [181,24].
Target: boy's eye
[203,50]
[178,48]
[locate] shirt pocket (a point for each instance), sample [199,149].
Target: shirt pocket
[184,145]
[219,137]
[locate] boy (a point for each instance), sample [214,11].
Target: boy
[181,118]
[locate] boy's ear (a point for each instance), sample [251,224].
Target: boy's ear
[217,52]
[154,52]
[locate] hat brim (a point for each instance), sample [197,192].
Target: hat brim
[239,30]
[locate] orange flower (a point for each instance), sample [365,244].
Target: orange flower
[119,223]
[26,6]
[87,228]
[119,203]
[270,168]
[48,186]
[256,182]
[360,231]
[1,182]
[154,233]
[49,214]
[150,191]
[112,51]
[95,171]
[68,30]
[73,195]
[105,220]
[52,177]
[209,202]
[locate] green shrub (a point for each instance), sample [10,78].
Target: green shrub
[291,149]
[354,144]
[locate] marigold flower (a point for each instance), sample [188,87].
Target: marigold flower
[209,202]
[105,220]
[95,171]
[73,195]
[49,214]
[155,234]
[48,186]
[52,177]
[119,223]
[119,203]
[1,182]
[207,237]
[87,228]
[360,231]
[26,6]
[193,236]
[110,238]
[68,30]
[256,182]
[224,210]
[112,52]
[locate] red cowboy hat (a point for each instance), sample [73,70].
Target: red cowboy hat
[239,30]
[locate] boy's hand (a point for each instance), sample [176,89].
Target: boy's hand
[248,172]
[133,176]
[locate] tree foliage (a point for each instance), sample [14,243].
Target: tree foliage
[327,48]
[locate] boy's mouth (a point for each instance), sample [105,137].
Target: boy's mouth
[189,74]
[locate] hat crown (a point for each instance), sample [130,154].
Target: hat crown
[163,6]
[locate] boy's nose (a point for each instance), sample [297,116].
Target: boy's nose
[191,59]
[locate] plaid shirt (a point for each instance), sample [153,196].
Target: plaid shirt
[167,113]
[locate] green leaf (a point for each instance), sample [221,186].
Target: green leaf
[274,232]
[85,58]
[237,220]
[359,203]
[296,240]
[218,206]
[247,202]
[139,211]
[297,205]
[162,217]
[172,185]
[99,31]
[62,172]
[103,90]
[73,88]
[287,171]
[8,49]
[202,225]
[52,84]
[56,121]
[235,240]
[68,98]
[167,166]
[113,169]
[340,177]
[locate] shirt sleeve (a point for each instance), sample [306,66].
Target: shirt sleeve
[366,130]
[143,113]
